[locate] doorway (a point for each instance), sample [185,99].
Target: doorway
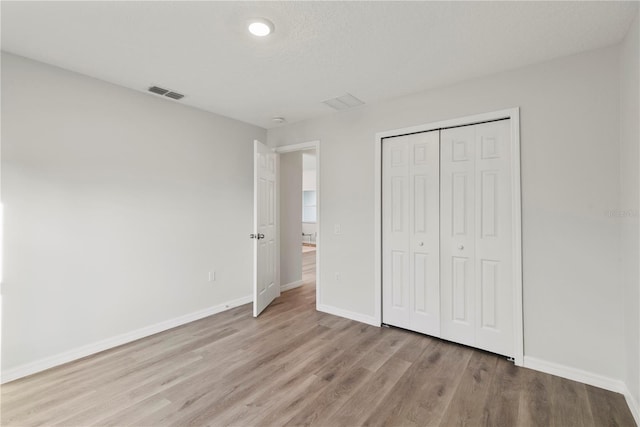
[299,219]
[309,216]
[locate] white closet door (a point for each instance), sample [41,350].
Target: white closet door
[424,218]
[494,284]
[411,282]
[476,237]
[395,235]
[457,234]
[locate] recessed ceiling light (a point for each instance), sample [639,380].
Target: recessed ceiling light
[260,27]
[278,119]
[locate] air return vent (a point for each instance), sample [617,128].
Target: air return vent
[165,92]
[158,90]
[174,95]
[343,102]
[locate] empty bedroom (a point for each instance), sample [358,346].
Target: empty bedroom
[238,213]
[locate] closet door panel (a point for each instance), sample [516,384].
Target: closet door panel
[410,199]
[425,235]
[396,254]
[457,234]
[494,305]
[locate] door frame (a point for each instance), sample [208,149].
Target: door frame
[513,114]
[303,146]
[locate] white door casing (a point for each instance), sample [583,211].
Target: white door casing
[265,288]
[411,232]
[476,236]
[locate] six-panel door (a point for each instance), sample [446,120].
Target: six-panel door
[410,238]
[265,172]
[494,239]
[457,234]
[476,236]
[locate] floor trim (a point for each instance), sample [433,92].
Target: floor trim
[586,377]
[369,320]
[291,285]
[575,374]
[87,350]
[633,405]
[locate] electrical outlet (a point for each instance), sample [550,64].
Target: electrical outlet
[212,276]
[337,229]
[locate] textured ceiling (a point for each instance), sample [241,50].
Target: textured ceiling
[319,50]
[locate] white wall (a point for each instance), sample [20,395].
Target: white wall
[117,204]
[570,179]
[290,217]
[629,204]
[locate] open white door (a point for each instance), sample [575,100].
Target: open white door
[265,288]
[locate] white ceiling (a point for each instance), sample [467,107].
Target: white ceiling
[319,50]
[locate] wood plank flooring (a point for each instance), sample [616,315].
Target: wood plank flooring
[296,366]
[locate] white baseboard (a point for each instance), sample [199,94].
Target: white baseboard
[585,377]
[370,320]
[87,350]
[291,285]
[575,374]
[633,405]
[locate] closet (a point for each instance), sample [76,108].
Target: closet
[447,240]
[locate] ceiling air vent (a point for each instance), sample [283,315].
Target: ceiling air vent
[158,90]
[165,92]
[174,95]
[343,102]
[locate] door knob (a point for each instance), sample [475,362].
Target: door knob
[260,236]
[421,244]
[252,236]
[460,247]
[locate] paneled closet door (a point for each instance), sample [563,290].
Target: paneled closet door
[457,234]
[410,215]
[476,236]
[494,239]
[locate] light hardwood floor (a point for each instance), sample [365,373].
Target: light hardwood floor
[296,366]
